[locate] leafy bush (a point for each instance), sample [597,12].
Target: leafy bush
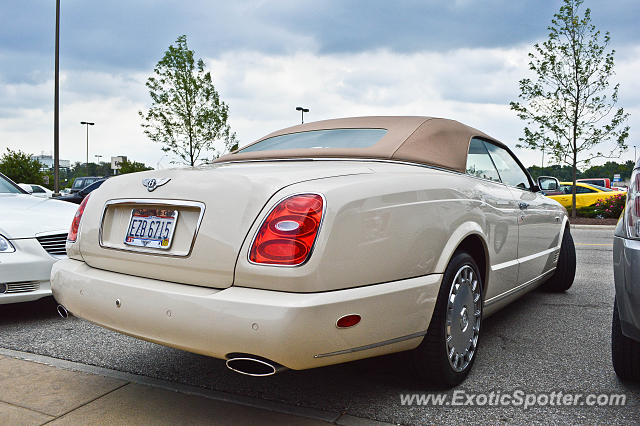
[21,167]
[611,207]
[589,211]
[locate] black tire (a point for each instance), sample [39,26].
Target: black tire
[562,278]
[430,360]
[625,352]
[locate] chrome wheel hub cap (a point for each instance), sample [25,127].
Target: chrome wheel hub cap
[464,320]
[464,311]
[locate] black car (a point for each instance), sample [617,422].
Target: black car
[77,197]
[81,183]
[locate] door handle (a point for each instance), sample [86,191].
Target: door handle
[523,205]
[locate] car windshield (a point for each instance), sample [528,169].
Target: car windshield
[6,187]
[78,184]
[320,139]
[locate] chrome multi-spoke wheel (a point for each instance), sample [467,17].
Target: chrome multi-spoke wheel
[463,317]
[450,347]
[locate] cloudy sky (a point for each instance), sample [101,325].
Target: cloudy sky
[458,59]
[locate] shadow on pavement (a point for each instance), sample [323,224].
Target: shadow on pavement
[28,311]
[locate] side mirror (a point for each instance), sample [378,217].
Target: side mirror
[548,183]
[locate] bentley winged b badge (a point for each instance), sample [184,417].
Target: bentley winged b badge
[153,183]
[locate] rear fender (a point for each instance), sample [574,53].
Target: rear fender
[463,231]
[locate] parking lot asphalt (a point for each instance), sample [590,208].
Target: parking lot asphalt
[541,343]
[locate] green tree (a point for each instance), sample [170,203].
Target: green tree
[186,115]
[132,167]
[564,173]
[570,107]
[21,167]
[610,168]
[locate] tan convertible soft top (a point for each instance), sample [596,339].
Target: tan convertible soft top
[426,140]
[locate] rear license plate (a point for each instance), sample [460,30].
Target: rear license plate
[152,227]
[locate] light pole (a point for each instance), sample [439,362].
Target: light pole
[302,111]
[635,157]
[56,102]
[86,123]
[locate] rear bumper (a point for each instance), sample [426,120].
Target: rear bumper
[626,270]
[296,330]
[26,270]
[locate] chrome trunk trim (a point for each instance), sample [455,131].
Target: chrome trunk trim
[373,345]
[152,202]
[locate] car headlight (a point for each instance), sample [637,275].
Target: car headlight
[632,209]
[5,245]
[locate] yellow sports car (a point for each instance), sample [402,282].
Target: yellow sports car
[586,194]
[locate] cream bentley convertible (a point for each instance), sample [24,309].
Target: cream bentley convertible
[320,244]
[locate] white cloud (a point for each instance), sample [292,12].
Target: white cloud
[473,86]
[262,90]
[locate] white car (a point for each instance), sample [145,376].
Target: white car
[33,232]
[320,244]
[36,190]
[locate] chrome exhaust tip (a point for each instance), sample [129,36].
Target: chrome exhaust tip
[255,367]
[62,311]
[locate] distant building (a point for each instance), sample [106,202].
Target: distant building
[47,162]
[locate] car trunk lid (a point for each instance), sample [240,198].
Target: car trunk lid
[215,207]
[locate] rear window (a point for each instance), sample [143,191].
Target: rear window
[80,183]
[320,139]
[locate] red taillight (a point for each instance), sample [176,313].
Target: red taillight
[636,189]
[348,321]
[75,225]
[633,207]
[287,235]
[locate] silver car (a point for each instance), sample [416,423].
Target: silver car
[33,233]
[625,333]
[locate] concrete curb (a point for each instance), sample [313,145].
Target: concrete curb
[310,413]
[611,227]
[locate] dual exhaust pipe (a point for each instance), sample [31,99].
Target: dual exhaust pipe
[249,365]
[255,366]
